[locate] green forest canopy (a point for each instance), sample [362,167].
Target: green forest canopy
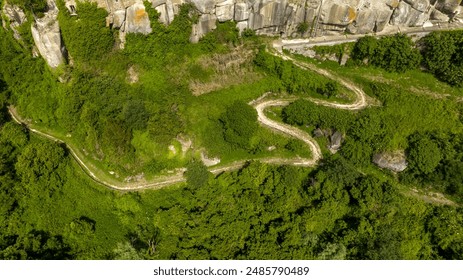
[345,208]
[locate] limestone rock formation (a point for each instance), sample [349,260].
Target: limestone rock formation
[267,17]
[225,10]
[411,13]
[47,36]
[137,20]
[394,161]
[16,18]
[282,17]
[448,6]
[206,23]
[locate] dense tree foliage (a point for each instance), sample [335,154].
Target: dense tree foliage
[258,212]
[435,158]
[225,33]
[424,155]
[329,89]
[197,174]
[240,124]
[342,209]
[442,53]
[89,23]
[393,53]
[293,78]
[38,7]
[304,112]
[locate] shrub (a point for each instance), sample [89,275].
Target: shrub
[239,123]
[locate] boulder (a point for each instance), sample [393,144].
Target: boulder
[47,37]
[335,141]
[394,161]
[137,20]
[318,133]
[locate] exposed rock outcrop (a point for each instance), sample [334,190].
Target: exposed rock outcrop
[394,161]
[136,19]
[448,6]
[335,141]
[47,36]
[16,18]
[288,18]
[283,17]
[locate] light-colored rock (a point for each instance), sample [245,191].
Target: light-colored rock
[156,3]
[209,161]
[47,36]
[298,14]
[394,161]
[448,6]
[206,23]
[163,18]
[242,12]
[137,20]
[242,25]
[118,19]
[372,16]
[203,6]
[406,15]
[439,16]
[269,17]
[167,9]
[282,17]
[16,18]
[339,14]
[225,10]
[335,141]
[420,5]
[132,75]
[71,5]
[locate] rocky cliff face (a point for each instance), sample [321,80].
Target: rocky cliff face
[47,37]
[283,17]
[267,17]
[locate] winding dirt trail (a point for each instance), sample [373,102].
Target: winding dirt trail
[260,105]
